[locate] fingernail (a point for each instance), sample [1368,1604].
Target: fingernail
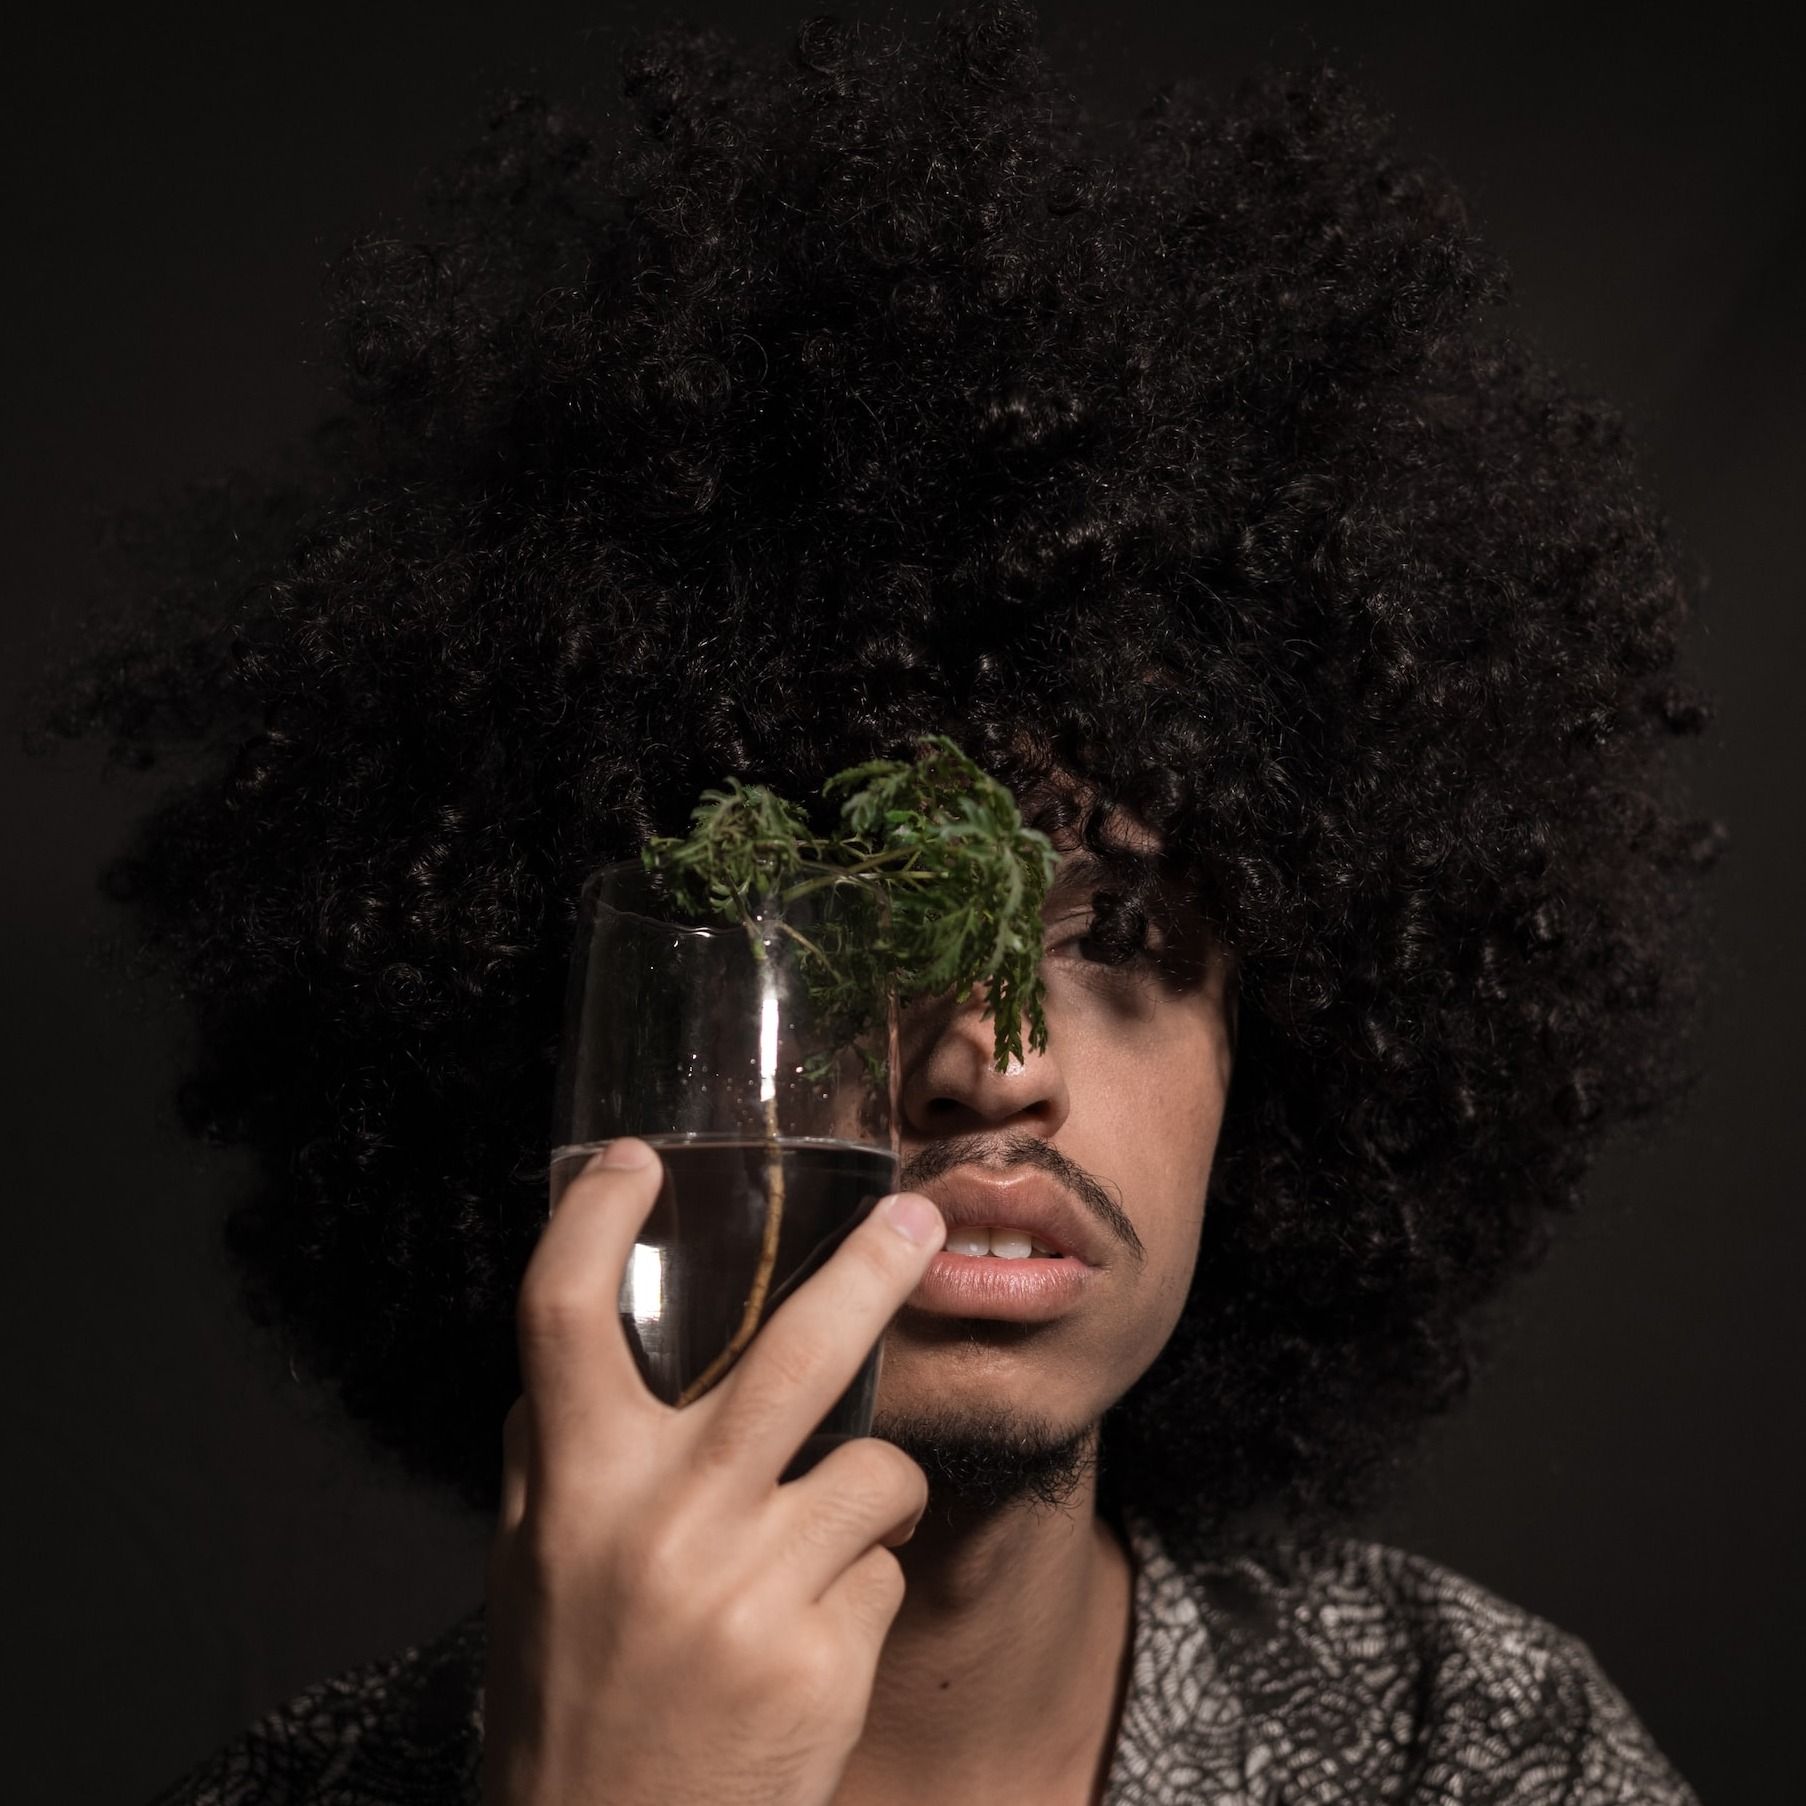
[913,1218]
[625,1154]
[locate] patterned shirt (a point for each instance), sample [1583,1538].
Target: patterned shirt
[1349,1673]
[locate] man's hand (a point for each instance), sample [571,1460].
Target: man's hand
[666,1622]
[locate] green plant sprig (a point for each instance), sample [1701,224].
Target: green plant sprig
[941,887]
[946,886]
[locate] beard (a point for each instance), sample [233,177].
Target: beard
[984,1460]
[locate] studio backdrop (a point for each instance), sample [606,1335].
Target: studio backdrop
[190,1540]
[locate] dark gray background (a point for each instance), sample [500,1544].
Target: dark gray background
[188,1545]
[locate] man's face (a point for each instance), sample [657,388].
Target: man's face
[1120,1116]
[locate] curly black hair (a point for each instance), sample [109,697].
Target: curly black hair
[810,401]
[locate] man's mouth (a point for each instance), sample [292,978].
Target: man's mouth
[1028,1288]
[1000,1241]
[1020,1214]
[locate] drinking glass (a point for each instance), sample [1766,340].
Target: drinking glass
[714,1041]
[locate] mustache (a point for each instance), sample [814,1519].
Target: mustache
[1019,1149]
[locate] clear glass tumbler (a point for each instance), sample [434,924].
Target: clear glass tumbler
[712,1040]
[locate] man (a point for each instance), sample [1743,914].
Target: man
[1186,474]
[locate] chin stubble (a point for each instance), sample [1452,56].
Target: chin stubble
[981,1460]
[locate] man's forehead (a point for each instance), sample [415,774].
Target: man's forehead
[1120,833]
[1119,852]
[1070,803]
[1117,846]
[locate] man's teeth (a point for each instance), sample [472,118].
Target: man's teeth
[1006,1244]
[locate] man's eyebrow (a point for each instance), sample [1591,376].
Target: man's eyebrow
[1085,866]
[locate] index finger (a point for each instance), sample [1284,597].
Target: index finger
[576,1365]
[814,1344]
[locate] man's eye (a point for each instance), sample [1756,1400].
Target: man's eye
[1120,938]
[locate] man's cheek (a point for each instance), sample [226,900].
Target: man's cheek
[1173,1240]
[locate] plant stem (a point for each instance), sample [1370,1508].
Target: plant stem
[774,1217]
[802,940]
[872,862]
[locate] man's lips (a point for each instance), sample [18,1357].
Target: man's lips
[1022,1291]
[971,1198]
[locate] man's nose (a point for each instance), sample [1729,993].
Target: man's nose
[951,1085]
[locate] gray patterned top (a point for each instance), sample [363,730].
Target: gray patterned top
[1352,1673]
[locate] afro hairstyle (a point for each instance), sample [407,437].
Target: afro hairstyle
[800,402]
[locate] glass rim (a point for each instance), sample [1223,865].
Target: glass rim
[590,903]
[593,903]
